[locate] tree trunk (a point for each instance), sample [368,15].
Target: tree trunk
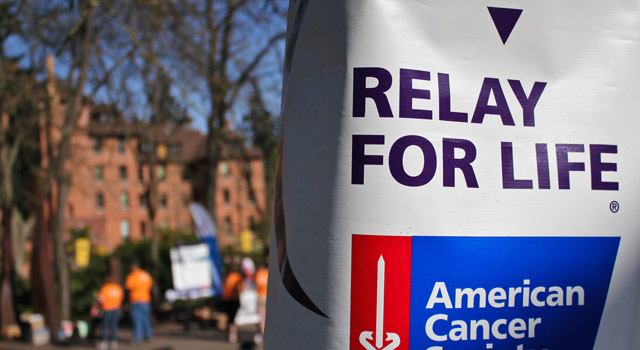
[215,143]
[7,308]
[71,115]
[62,265]
[152,201]
[213,159]
[155,240]
[44,293]
[20,228]
[43,296]
[152,205]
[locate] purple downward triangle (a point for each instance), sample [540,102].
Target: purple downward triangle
[505,20]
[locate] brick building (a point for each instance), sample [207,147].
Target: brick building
[109,177]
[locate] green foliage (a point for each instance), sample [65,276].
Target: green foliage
[22,294]
[83,232]
[140,252]
[85,282]
[134,251]
[233,255]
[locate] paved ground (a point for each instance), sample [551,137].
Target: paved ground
[167,336]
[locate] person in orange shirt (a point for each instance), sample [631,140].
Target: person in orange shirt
[139,284]
[231,300]
[110,299]
[262,277]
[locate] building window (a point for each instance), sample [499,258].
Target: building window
[70,209]
[161,172]
[98,173]
[140,174]
[161,151]
[144,148]
[163,201]
[97,144]
[143,229]
[142,201]
[164,224]
[121,144]
[227,197]
[252,223]
[100,201]
[125,229]
[124,200]
[122,171]
[252,196]
[227,226]
[224,168]
[187,172]
[175,150]
[185,199]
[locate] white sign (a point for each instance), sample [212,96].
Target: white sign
[191,267]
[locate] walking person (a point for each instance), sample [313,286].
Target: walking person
[110,300]
[261,279]
[232,286]
[139,284]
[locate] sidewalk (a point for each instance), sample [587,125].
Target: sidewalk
[167,336]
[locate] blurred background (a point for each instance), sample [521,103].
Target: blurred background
[117,116]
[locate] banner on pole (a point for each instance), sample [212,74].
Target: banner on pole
[458,175]
[207,233]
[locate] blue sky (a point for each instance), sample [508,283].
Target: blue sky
[191,93]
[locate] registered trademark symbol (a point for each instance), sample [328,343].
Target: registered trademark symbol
[614,206]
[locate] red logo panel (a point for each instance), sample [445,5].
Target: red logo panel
[380,292]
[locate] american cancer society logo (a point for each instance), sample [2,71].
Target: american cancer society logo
[476,293]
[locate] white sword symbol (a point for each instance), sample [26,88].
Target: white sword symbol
[366,335]
[380,304]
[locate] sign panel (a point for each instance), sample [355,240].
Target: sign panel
[479,292]
[458,175]
[191,271]
[380,292]
[83,252]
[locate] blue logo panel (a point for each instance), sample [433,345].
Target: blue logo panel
[509,293]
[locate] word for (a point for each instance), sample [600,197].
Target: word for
[464,163]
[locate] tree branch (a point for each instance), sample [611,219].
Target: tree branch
[246,73]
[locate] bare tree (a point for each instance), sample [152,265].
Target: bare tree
[224,87]
[226,43]
[152,109]
[44,296]
[18,111]
[263,129]
[209,48]
[76,31]
[60,175]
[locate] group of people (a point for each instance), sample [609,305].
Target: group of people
[138,285]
